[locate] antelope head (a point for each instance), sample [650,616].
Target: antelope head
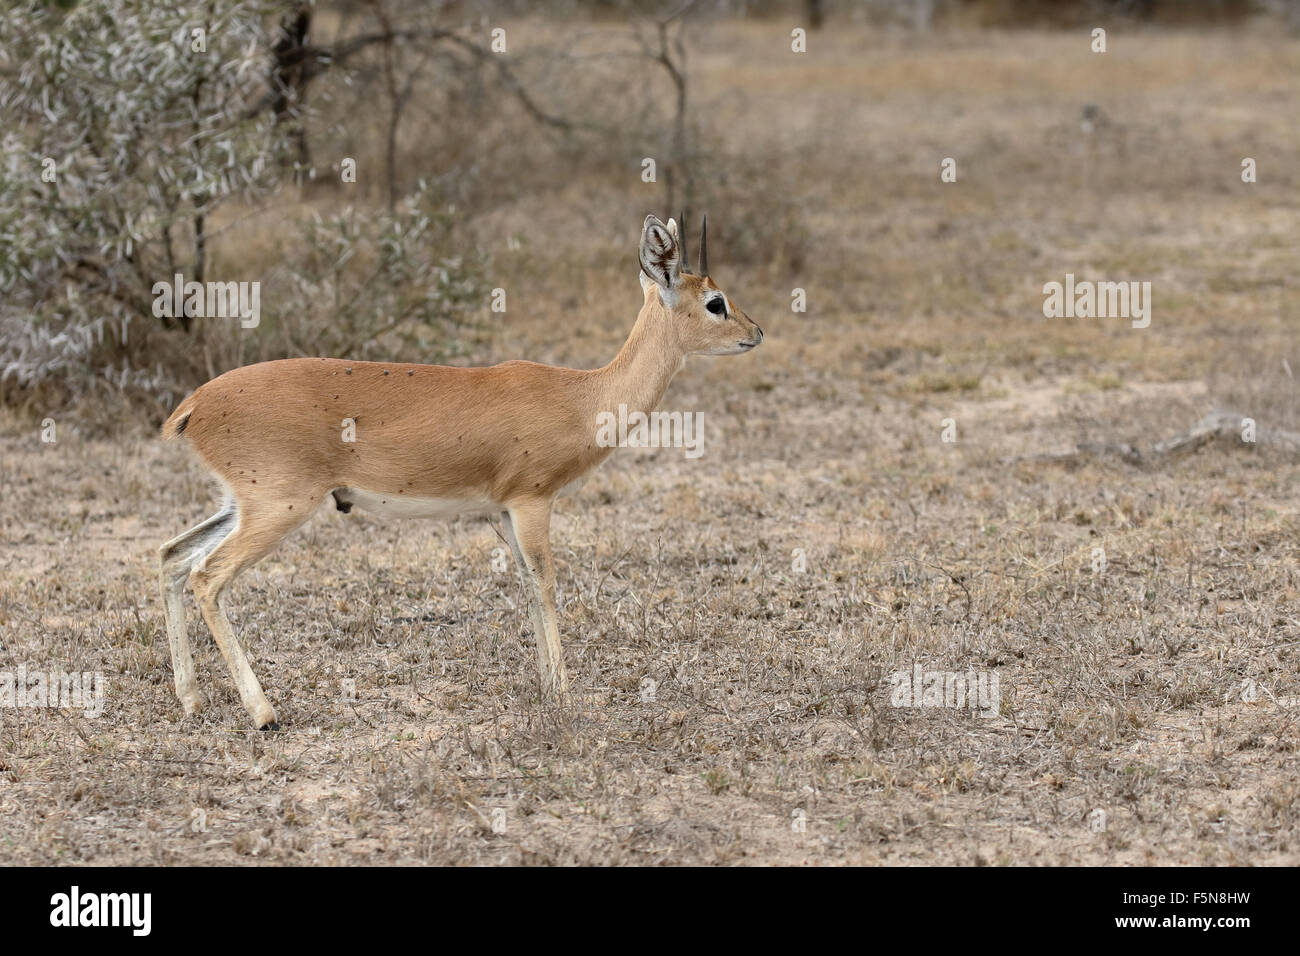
[705,319]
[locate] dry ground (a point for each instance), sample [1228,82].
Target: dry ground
[1122,688]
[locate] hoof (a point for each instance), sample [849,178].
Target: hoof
[270,726]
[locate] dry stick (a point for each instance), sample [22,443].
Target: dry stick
[1219,423]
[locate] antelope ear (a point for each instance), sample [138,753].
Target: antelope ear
[661,258]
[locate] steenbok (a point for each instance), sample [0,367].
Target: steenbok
[427,441]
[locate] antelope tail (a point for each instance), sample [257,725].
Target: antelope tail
[175,425]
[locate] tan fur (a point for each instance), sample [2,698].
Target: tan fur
[512,435]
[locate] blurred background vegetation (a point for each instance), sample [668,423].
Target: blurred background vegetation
[482,160]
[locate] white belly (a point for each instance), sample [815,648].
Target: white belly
[407,506]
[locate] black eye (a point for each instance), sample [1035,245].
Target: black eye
[717,306]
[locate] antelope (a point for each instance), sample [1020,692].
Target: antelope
[429,441]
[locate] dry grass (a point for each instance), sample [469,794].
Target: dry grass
[1121,690]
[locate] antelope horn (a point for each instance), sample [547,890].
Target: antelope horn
[681,241]
[704,250]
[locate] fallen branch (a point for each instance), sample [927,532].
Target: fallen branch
[1220,424]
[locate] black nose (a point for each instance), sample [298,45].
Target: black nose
[760,332]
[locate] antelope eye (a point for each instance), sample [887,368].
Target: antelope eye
[717,306]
